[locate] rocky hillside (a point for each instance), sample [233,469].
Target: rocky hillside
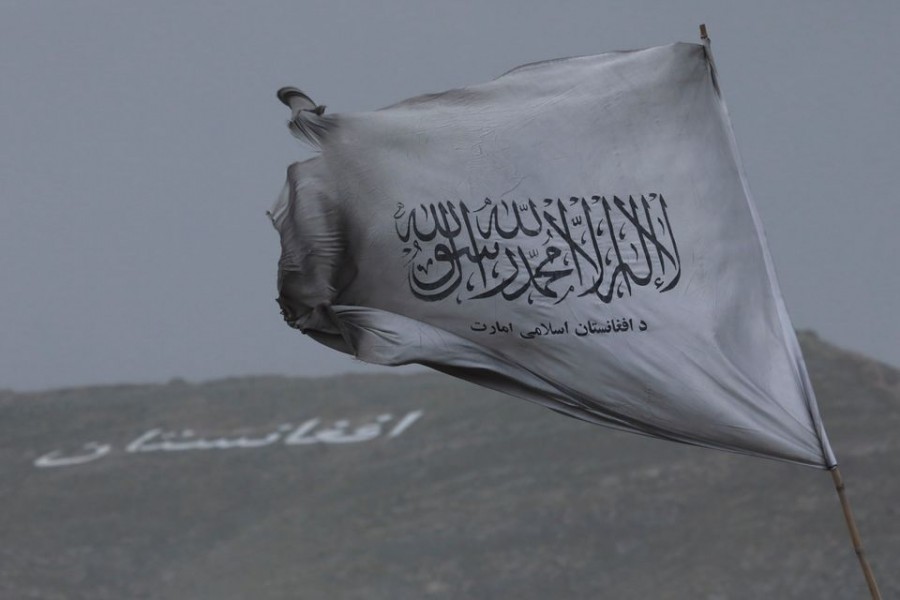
[417,487]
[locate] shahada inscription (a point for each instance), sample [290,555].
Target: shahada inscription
[583,246]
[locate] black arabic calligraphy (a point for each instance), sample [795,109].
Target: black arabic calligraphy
[588,247]
[492,328]
[581,329]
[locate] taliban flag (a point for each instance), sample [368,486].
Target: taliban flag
[577,232]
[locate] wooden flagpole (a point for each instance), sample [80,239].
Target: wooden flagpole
[854,534]
[835,472]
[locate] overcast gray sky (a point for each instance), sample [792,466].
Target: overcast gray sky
[141,144]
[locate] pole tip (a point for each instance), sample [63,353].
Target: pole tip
[703,35]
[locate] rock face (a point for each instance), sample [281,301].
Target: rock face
[253,488]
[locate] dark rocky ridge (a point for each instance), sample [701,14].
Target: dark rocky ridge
[484,497]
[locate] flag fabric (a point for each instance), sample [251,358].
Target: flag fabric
[577,232]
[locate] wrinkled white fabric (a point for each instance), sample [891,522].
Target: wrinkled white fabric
[577,233]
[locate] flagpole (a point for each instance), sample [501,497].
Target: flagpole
[854,534]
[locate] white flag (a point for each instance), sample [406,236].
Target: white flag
[577,233]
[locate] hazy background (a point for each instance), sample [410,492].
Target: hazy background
[141,144]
